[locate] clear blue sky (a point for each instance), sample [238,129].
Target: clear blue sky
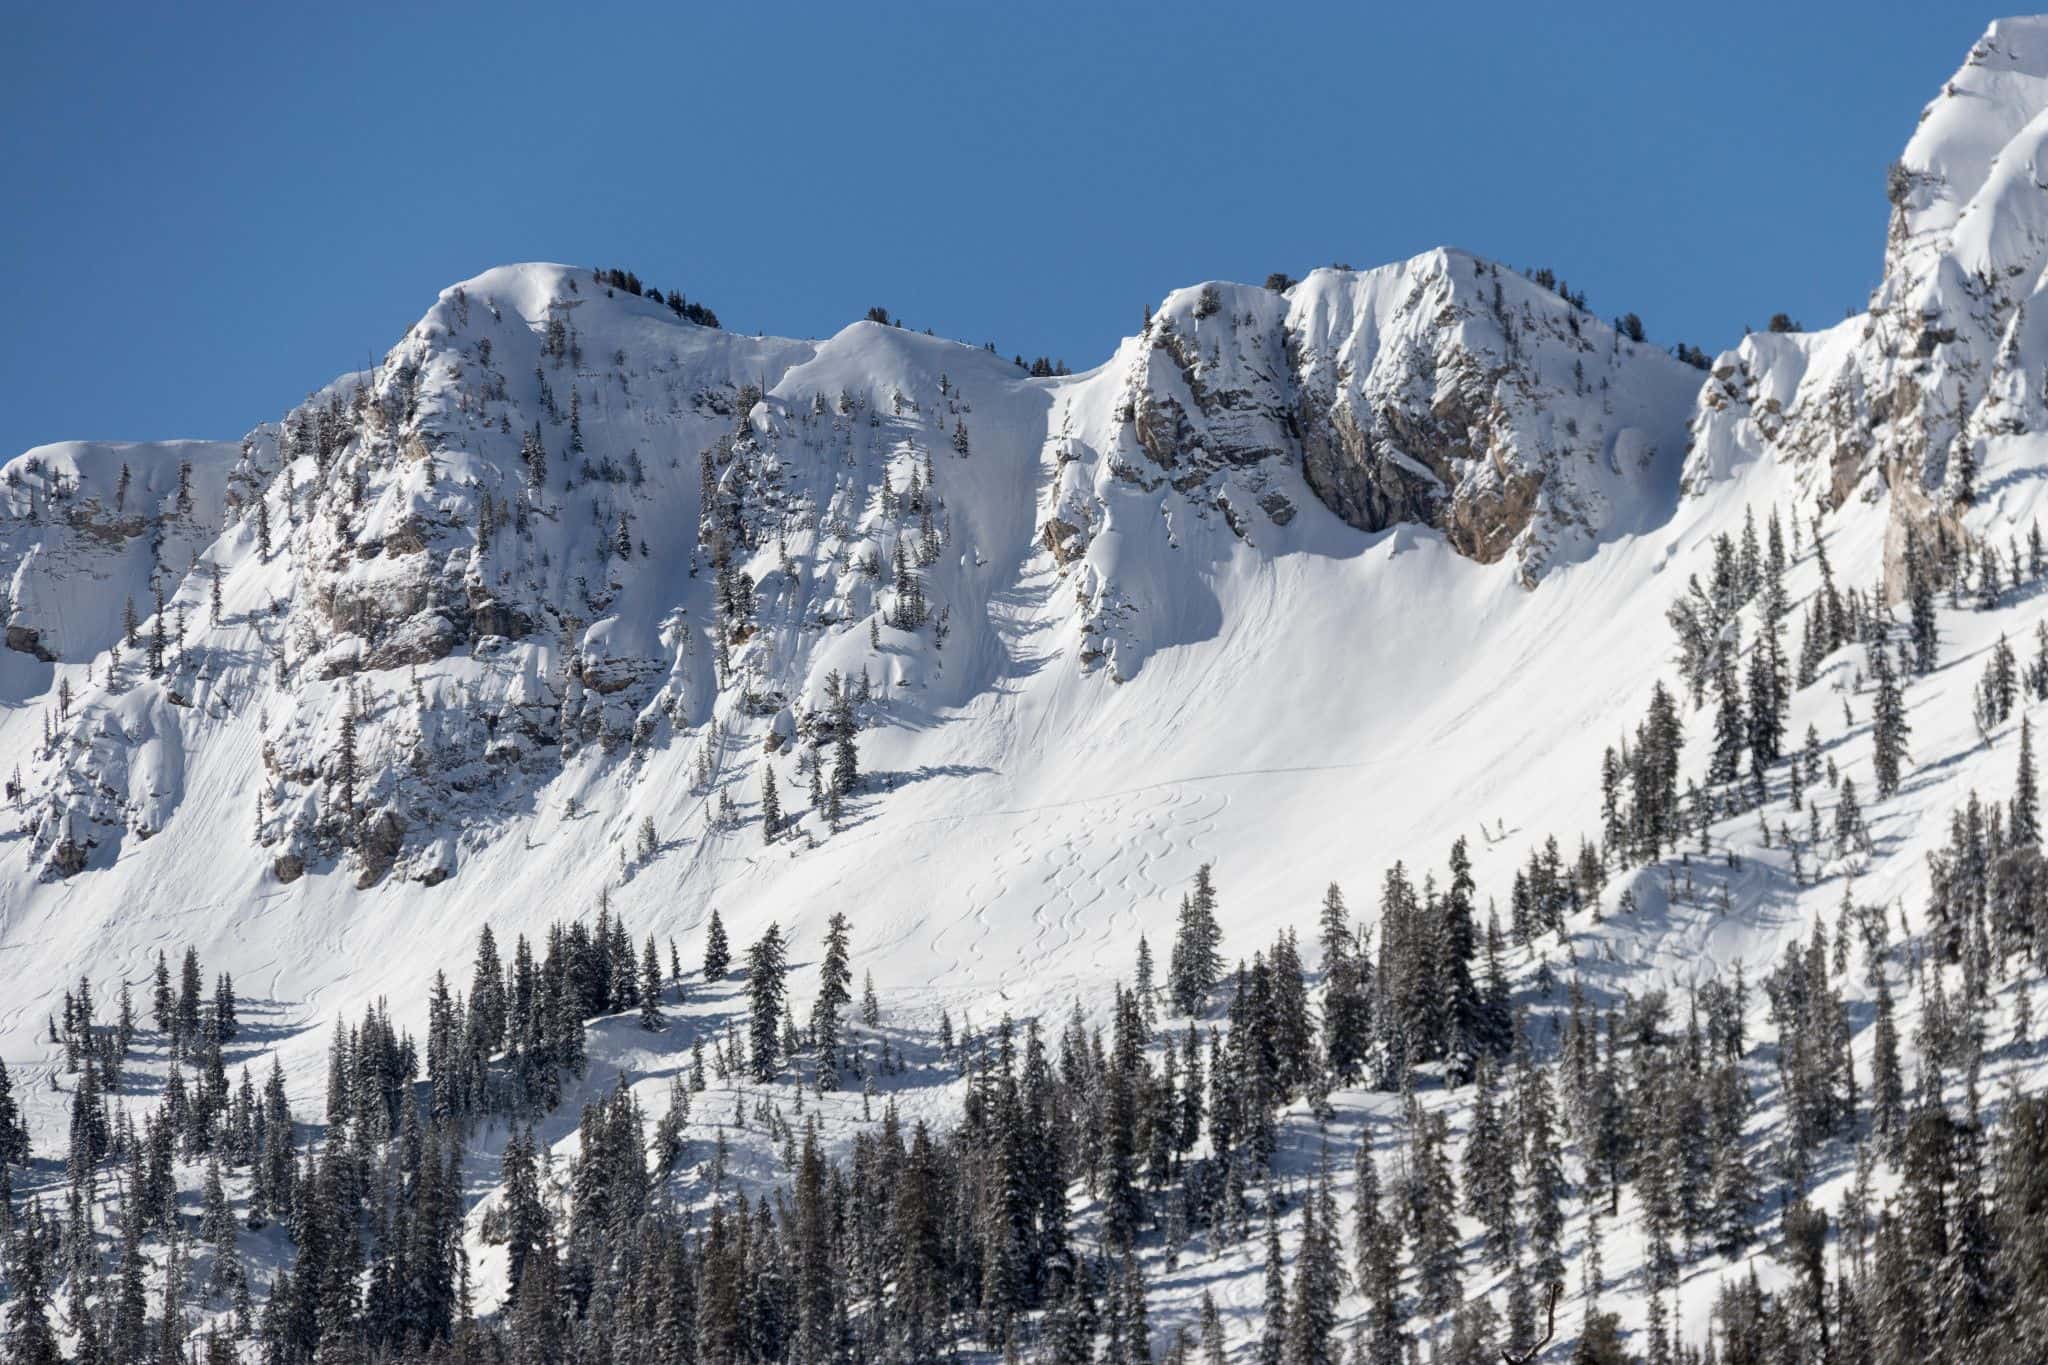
[209,211]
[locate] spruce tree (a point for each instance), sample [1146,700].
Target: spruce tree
[14,1142]
[2020,1229]
[1196,962]
[1375,1247]
[771,805]
[1433,1229]
[766,990]
[1318,1279]
[1212,1331]
[29,1337]
[1347,993]
[1489,1170]
[2024,826]
[1888,724]
[717,954]
[1848,820]
[1920,598]
[650,988]
[1543,1178]
[835,979]
[1463,1008]
[1273,1329]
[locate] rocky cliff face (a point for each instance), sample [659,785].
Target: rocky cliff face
[557,527]
[1442,392]
[1934,393]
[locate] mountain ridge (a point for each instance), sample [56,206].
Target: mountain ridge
[1299,587]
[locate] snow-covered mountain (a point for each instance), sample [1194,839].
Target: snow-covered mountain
[1300,583]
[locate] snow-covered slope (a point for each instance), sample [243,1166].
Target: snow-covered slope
[1442,392]
[1298,583]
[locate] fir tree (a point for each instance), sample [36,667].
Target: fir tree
[1848,820]
[717,954]
[771,805]
[2024,826]
[29,1337]
[1311,1325]
[1196,962]
[650,988]
[1489,1170]
[766,963]
[1273,1331]
[1888,724]
[1432,1225]
[835,978]
[1376,1247]
[1920,597]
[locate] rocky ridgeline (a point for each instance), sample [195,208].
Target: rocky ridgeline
[1932,394]
[562,527]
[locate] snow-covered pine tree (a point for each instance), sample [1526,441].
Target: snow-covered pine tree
[771,804]
[1888,724]
[1195,962]
[2024,824]
[1920,585]
[650,988]
[717,953]
[835,979]
[766,993]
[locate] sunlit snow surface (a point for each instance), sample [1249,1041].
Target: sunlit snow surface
[1297,703]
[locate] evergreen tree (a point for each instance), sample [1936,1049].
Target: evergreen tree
[1273,1331]
[1732,1198]
[1543,1179]
[1888,724]
[1212,1331]
[1196,962]
[1464,1010]
[1489,1169]
[1848,820]
[14,1142]
[1347,993]
[771,805]
[650,988]
[29,1337]
[2020,1230]
[1311,1325]
[1432,1225]
[1920,598]
[835,979]
[766,990]
[843,723]
[1376,1248]
[526,1217]
[2024,826]
[717,955]
[191,997]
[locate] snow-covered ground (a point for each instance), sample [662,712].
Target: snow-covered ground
[1147,666]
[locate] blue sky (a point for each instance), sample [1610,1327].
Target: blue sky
[210,210]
